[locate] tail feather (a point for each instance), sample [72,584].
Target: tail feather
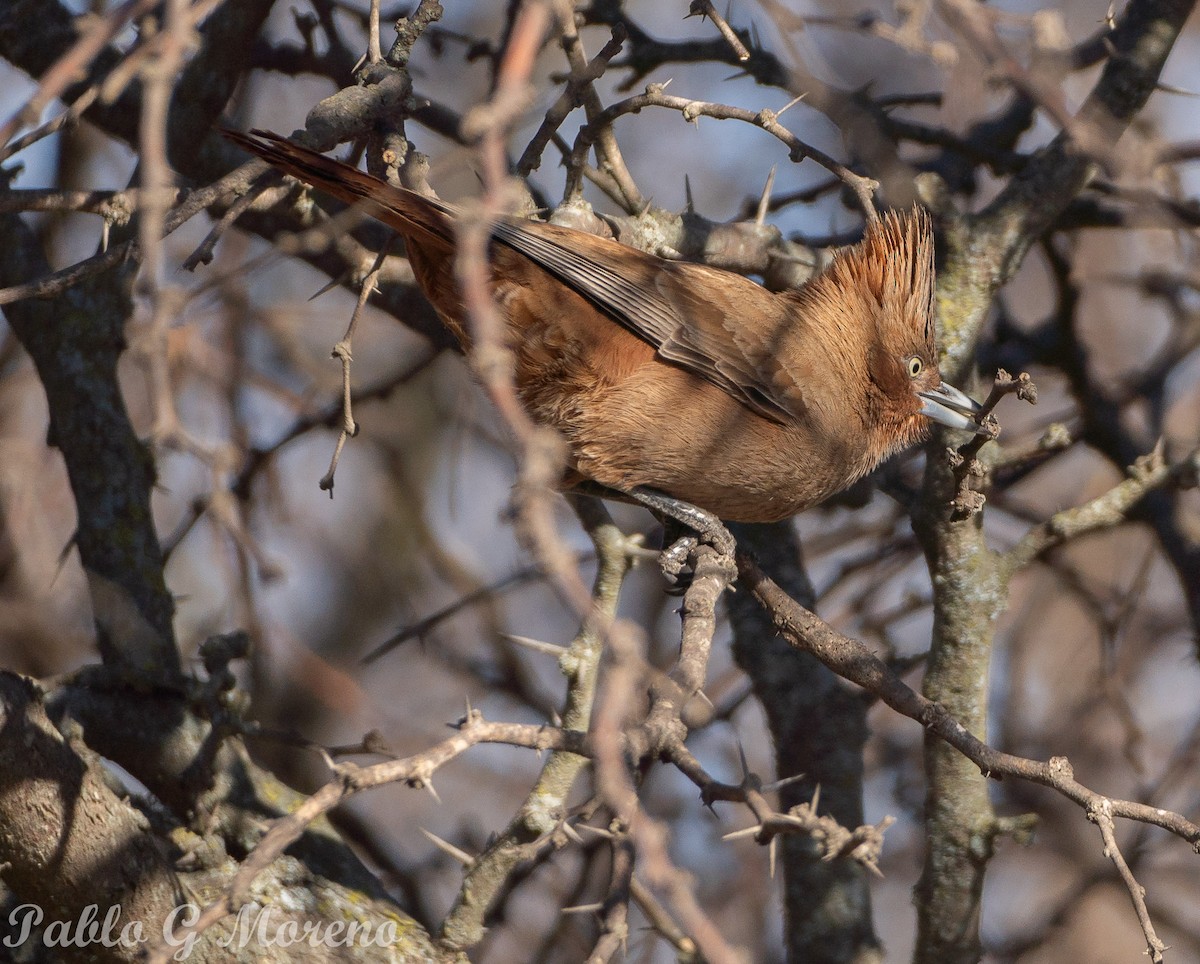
[411,214]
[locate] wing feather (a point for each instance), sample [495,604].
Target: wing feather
[689,313]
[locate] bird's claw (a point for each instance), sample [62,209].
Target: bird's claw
[674,557]
[720,539]
[678,548]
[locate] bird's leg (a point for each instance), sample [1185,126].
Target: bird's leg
[707,526]
[676,547]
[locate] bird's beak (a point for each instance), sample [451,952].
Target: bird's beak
[947,405]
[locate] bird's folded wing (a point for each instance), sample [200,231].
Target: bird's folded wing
[718,325]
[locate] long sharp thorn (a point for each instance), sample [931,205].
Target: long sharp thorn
[764,200]
[598,831]
[785,782]
[448,848]
[329,286]
[582,909]
[789,105]
[537,645]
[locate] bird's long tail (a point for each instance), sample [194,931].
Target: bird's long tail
[411,214]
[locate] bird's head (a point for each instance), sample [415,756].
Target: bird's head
[892,272]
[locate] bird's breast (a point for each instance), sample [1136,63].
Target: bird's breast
[669,430]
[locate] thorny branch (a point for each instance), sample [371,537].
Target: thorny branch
[967,467]
[1101,815]
[847,657]
[1110,509]
[349,779]
[855,662]
[691,110]
[545,808]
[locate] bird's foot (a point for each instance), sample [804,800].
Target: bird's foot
[685,527]
[677,547]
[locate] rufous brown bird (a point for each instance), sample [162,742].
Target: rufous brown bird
[684,380]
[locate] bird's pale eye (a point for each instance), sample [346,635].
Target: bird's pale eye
[915,365]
